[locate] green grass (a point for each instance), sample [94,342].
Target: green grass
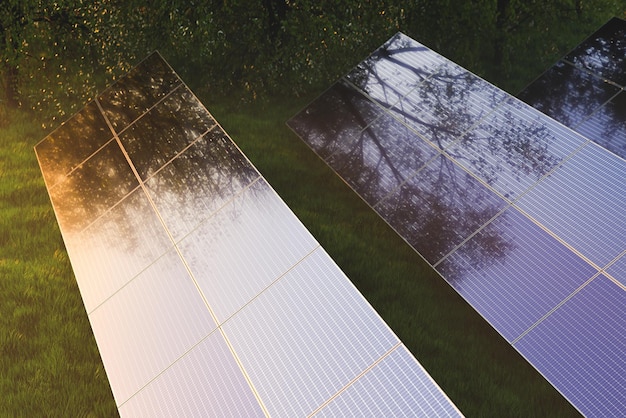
[49,362]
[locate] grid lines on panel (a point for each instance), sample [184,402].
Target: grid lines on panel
[176,240]
[515,210]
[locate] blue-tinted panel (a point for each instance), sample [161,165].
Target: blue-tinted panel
[198,182]
[618,269]
[580,349]
[116,247]
[165,131]
[438,208]
[514,147]
[568,94]
[513,273]
[395,69]
[138,91]
[92,188]
[582,202]
[244,247]
[607,126]
[446,105]
[397,386]
[307,336]
[72,143]
[206,382]
[380,158]
[148,324]
[604,52]
[334,118]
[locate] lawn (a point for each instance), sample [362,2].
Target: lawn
[49,362]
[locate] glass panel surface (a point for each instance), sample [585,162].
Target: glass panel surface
[380,158]
[307,336]
[165,131]
[244,247]
[206,382]
[604,52]
[618,269]
[199,181]
[148,324]
[583,203]
[138,91]
[607,126]
[580,349]
[447,104]
[116,247]
[514,147]
[513,273]
[333,118]
[438,208]
[395,387]
[72,143]
[92,188]
[395,69]
[568,94]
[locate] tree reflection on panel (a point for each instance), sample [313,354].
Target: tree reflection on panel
[424,163]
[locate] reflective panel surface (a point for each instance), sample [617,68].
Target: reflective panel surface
[514,209]
[199,181]
[244,247]
[607,126]
[380,158]
[309,330]
[192,384]
[165,131]
[148,324]
[335,117]
[514,260]
[585,90]
[618,269]
[142,88]
[374,395]
[438,208]
[582,345]
[395,69]
[116,247]
[70,144]
[583,203]
[92,188]
[604,52]
[206,295]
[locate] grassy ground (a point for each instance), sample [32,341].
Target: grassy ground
[49,362]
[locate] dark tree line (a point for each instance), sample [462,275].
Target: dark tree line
[54,56]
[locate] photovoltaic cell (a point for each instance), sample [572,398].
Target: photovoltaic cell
[585,89]
[375,395]
[206,381]
[116,247]
[618,269]
[512,259]
[582,202]
[515,210]
[581,347]
[295,372]
[206,295]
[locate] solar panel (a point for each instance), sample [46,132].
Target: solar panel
[206,295]
[585,89]
[521,215]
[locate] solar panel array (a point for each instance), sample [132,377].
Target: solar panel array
[522,216]
[206,295]
[585,90]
